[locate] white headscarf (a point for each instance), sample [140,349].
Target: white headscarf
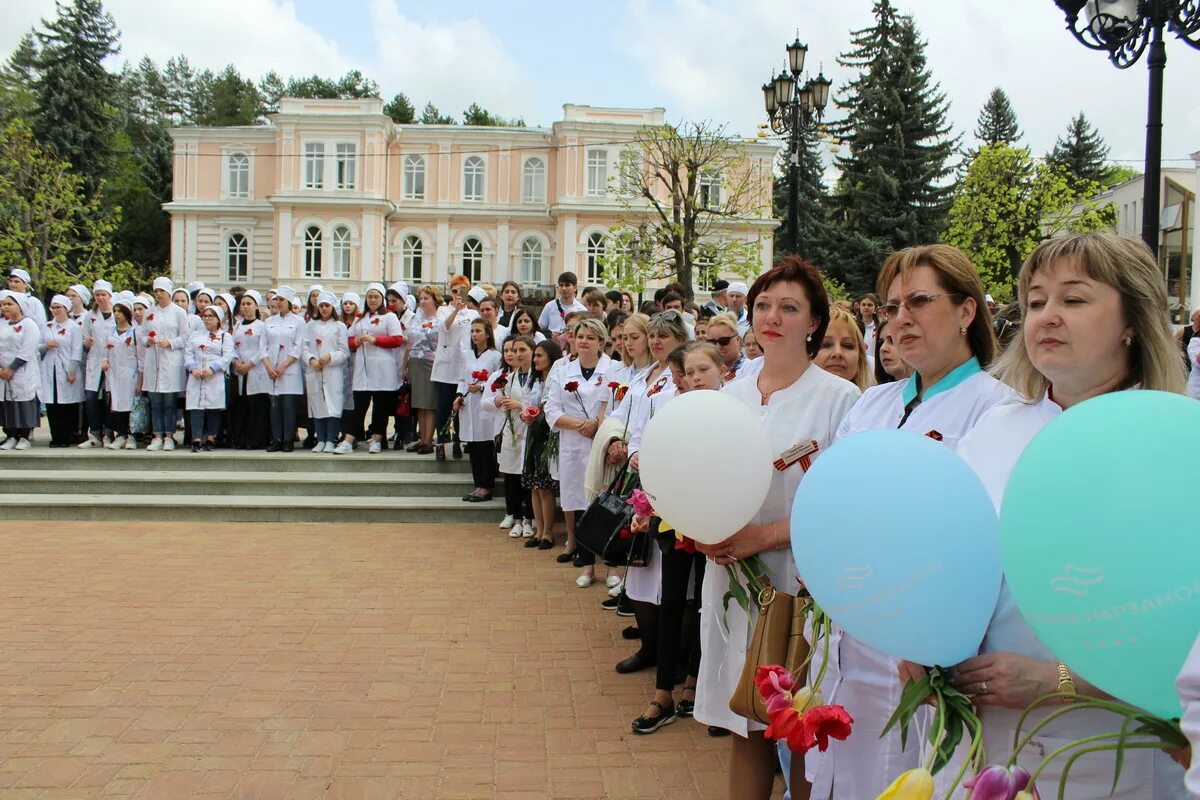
[163,283]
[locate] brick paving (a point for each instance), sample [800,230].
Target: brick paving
[348,662]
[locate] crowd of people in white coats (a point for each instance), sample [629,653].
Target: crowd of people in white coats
[554,402]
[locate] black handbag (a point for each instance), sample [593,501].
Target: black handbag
[604,527]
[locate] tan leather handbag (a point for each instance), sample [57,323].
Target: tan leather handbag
[778,639]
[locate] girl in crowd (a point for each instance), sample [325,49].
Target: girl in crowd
[453,341]
[351,305]
[510,301]
[20,374]
[524,324]
[797,402]
[843,351]
[723,334]
[251,406]
[373,338]
[326,350]
[120,367]
[208,354]
[163,336]
[505,400]
[81,300]
[397,303]
[940,323]
[97,324]
[888,364]
[424,335]
[750,346]
[62,376]
[537,471]
[628,304]
[478,427]
[285,337]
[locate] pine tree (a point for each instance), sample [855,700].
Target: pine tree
[400,109]
[180,81]
[225,99]
[997,123]
[892,193]
[270,89]
[75,93]
[1082,152]
[478,115]
[17,99]
[816,241]
[430,115]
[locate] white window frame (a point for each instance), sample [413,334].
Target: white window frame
[231,252]
[596,166]
[345,165]
[314,165]
[480,175]
[313,253]
[341,251]
[412,258]
[476,255]
[531,246]
[708,182]
[594,247]
[414,177]
[232,190]
[533,180]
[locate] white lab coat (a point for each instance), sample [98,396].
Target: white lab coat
[809,409]
[644,584]
[573,447]
[59,362]
[454,346]
[992,449]
[401,353]
[553,318]
[859,677]
[162,368]
[1188,685]
[208,350]
[512,442]
[250,345]
[1193,354]
[285,339]
[376,369]
[96,326]
[475,424]
[325,387]
[19,341]
[121,355]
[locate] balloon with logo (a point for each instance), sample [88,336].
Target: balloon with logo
[918,577]
[1099,537]
[677,466]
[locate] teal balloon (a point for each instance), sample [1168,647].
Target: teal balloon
[896,539]
[1101,542]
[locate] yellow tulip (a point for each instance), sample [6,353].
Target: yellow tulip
[806,698]
[1025,796]
[916,784]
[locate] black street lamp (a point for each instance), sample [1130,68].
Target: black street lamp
[795,109]
[1124,29]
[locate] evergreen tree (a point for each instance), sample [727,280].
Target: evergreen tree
[893,192]
[74,91]
[997,123]
[180,81]
[355,86]
[817,239]
[140,181]
[400,109]
[1082,152]
[270,89]
[430,115]
[225,99]
[477,115]
[17,99]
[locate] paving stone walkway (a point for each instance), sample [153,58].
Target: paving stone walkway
[347,662]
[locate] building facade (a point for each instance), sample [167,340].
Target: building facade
[333,192]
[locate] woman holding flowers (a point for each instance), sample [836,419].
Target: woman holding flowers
[540,450]
[208,354]
[508,395]
[251,411]
[1094,320]
[373,340]
[477,428]
[326,350]
[798,403]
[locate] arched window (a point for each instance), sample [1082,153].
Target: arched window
[312,252]
[533,184]
[473,179]
[237,258]
[414,177]
[595,251]
[412,253]
[341,252]
[239,175]
[531,261]
[472,259]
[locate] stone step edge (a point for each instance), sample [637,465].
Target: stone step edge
[234,476]
[247,501]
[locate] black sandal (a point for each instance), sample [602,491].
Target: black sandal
[644,725]
[565,558]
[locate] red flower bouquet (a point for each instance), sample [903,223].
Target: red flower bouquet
[479,375]
[152,334]
[572,386]
[150,318]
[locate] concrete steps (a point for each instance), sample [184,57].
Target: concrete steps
[238,487]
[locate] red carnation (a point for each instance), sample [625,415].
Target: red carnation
[249,332]
[17,329]
[129,340]
[280,347]
[479,375]
[532,411]
[685,544]
[318,342]
[614,385]
[62,331]
[108,346]
[500,382]
[152,334]
[150,317]
[572,386]
[375,321]
[203,347]
[823,723]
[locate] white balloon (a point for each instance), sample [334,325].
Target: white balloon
[678,462]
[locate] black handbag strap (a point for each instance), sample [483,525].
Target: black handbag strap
[619,479]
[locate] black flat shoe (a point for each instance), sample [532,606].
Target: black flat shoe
[685,708]
[544,544]
[274,447]
[630,633]
[441,452]
[209,447]
[531,542]
[645,725]
[610,604]
[624,606]
[469,498]
[635,663]
[478,498]
[288,447]
[716,732]
[412,448]
[565,558]
[195,447]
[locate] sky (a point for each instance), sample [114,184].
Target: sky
[698,59]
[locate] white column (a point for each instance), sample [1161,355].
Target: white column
[283,247]
[177,240]
[1194,280]
[369,249]
[503,271]
[441,267]
[192,227]
[568,247]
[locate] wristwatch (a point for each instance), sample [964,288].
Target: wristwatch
[1066,684]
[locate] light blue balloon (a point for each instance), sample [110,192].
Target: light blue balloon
[1101,542]
[896,539]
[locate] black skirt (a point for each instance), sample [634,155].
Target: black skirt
[536,474]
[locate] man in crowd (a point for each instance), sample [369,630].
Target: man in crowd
[736,295]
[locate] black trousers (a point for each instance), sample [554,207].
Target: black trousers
[352,424]
[63,419]
[677,632]
[251,418]
[283,417]
[382,405]
[445,393]
[118,422]
[483,464]
[518,500]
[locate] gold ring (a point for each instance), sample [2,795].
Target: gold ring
[983,687]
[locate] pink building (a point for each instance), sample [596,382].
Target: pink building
[333,192]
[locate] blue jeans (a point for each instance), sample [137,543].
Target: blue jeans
[162,413]
[327,428]
[206,423]
[283,417]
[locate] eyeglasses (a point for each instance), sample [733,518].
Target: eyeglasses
[722,341]
[1002,325]
[915,303]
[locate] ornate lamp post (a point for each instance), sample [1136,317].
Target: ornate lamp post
[1125,29]
[795,109]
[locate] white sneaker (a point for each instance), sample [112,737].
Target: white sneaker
[507,522]
[116,444]
[9,444]
[320,448]
[527,530]
[23,444]
[343,448]
[616,590]
[613,580]
[132,443]
[330,447]
[584,581]
[155,444]
[376,447]
[169,443]
[515,533]
[91,441]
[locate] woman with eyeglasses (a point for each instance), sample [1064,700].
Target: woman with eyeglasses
[723,335]
[937,317]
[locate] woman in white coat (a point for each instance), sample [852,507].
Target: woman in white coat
[285,339]
[20,373]
[163,336]
[507,402]
[1094,320]
[454,343]
[373,342]
[97,324]
[326,350]
[576,400]
[251,407]
[798,402]
[62,372]
[209,354]
[477,428]
[940,322]
[120,367]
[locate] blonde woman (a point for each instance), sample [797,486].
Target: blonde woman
[843,351]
